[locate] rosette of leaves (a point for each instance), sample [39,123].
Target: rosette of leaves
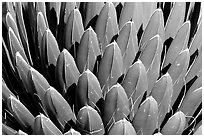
[101,68]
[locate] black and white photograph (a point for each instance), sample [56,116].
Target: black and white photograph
[101,68]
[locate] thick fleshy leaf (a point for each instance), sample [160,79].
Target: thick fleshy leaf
[191,101]
[23,69]
[175,20]
[198,131]
[6,93]
[116,105]
[162,92]
[74,28]
[21,113]
[179,66]
[49,49]
[150,51]
[145,120]
[135,84]
[127,41]
[44,126]
[6,56]
[11,22]
[72,132]
[15,45]
[148,9]
[41,7]
[195,67]
[91,10]
[197,40]
[66,71]
[178,44]
[131,10]
[88,51]
[177,72]
[110,67]
[39,83]
[106,24]
[6,130]
[88,90]
[22,30]
[56,6]
[154,27]
[41,28]
[122,127]
[57,106]
[154,69]
[197,84]
[68,9]
[175,125]
[89,121]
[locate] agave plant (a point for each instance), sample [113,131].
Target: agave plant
[96,68]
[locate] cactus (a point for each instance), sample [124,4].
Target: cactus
[101,68]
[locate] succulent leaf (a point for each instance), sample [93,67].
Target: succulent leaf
[122,127]
[175,125]
[21,113]
[178,44]
[88,90]
[127,41]
[113,61]
[162,92]
[44,126]
[89,121]
[106,24]
[66,71]
[174,20]
[88,50]
[74,28]
[145,120]
[56,105]
[135,84]
[116,105]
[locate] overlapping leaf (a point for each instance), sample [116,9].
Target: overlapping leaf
[88,90]
[175,125]
[15,45]
[110,67]
[21,113]
[155,26]
[91,10]
[116,105]
[151,58]
[49,49]
[127,41]
[74,29]
[122,127]
[89,121]
[39,83]
[57,106]
[162,93]
[135,84]
[175,20]
[22,30]
[88,51]
[191,101]
[145,120]
[177,72]
[44,126]
[66,71]
[106,25]
[178,44]
[23,69]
